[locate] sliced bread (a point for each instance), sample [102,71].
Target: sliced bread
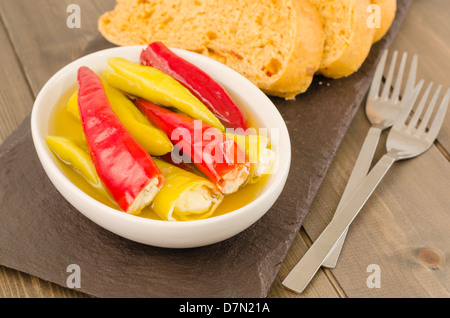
[388,10]
[277,45]
[348,37]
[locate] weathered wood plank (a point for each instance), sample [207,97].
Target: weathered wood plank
[15,96]
[41,37]
[14,284]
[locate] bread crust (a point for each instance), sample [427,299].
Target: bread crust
[306,54]
[388,11]
[359,45]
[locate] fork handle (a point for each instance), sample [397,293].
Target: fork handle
[306,268]
[360,170]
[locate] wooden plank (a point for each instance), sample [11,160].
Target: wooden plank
[403,228]
[14,284]
[15,104]
[40,35]
[426,32]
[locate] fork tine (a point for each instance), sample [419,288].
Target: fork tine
[439,118]
[418,112]
[390,75]
[430,108]
[376,81]
[411,76]
[399,80]
[408,102]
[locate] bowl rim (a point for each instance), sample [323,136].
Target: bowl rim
[54,172]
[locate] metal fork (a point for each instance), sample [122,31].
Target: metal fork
[405,140]
[382,109]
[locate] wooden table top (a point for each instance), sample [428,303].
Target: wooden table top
[404,229]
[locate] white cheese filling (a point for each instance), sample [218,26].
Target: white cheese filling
[196,200]
[232,181]
[265,163]
[145,197]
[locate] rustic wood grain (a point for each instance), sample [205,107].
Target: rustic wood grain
[41,37]
[15,284]
[15,103]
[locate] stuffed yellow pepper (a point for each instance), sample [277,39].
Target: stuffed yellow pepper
[257,149]
[185,195]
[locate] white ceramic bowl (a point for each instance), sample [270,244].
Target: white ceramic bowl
[163,233]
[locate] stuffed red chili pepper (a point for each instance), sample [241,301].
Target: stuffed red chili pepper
[205,88]
[217,156]
[125,168]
